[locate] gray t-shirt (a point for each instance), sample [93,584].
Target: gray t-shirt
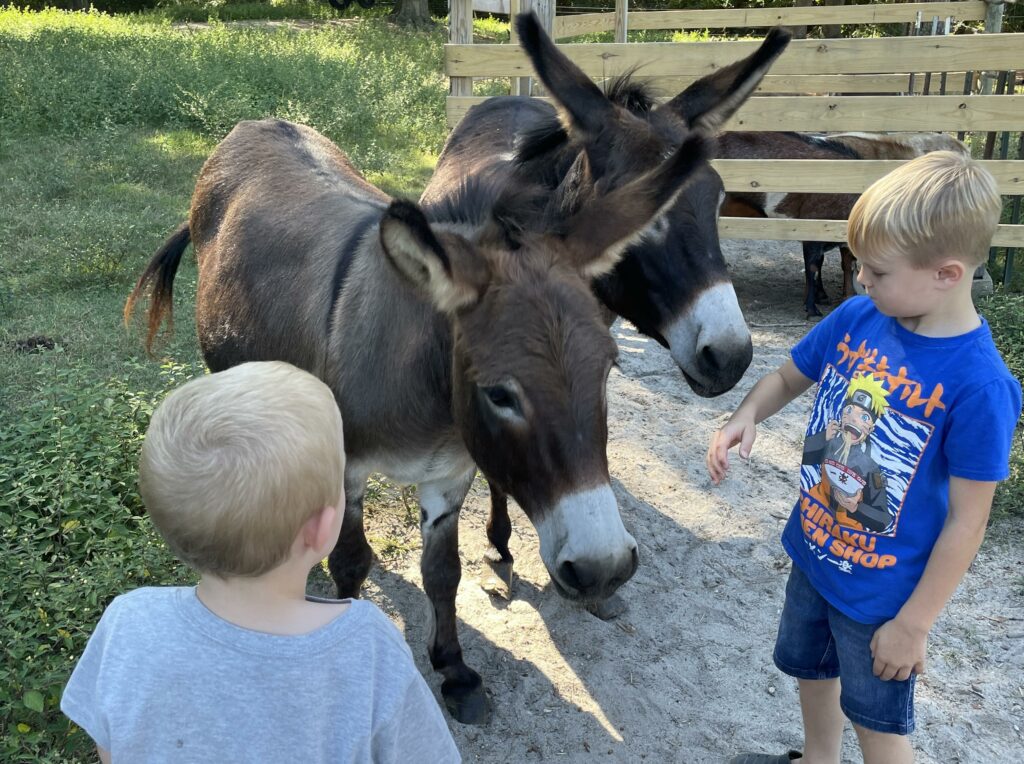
[163,679]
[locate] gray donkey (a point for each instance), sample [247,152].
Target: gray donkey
[469,340]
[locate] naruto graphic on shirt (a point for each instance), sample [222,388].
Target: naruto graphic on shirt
[852,485]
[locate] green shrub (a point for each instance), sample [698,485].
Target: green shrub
[1005,315]
[73,534]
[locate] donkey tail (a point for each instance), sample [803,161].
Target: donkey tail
[160,274]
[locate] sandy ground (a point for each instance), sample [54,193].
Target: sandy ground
[685,675]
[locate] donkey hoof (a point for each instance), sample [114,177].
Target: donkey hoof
[497,578]
[609,608]
[467,704]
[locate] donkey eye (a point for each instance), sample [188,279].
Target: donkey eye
[502,398]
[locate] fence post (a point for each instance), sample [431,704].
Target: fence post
[621,20]
[800,32]
[545,10]
[993,25]
[520,85]
[460,32]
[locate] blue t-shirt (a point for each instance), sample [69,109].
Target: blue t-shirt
[895,415]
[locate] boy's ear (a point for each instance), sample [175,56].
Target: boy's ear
[318,531]
[951,272]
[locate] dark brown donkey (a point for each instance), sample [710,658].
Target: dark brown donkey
[672,281]
[471,340]
[788,145]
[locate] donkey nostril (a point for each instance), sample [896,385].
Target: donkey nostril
[569,576]
[708,357]
[636,561]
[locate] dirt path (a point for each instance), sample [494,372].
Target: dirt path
[686,674]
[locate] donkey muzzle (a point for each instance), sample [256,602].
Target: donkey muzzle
[585,547]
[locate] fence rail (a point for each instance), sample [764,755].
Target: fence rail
[875,13]
[878,55]
[863,113]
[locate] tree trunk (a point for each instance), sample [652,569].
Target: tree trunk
[413,13]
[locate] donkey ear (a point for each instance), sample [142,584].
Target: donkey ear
[598,234]
[574,91]
[448,275]
[711,100]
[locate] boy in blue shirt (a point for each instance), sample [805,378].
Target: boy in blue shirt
[910,430]
[242,473]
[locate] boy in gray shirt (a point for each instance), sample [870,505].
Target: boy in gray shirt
[243,474]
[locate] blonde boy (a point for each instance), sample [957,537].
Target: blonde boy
[242,472]
[909,432]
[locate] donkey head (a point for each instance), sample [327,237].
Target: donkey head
[673,283]
[531,356]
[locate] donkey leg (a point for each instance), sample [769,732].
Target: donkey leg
[849,270]
[820,295]
[350,560]
[462,687]
[497,577]
[814,255]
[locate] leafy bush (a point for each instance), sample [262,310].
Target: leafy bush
[1004,314]
[73,534]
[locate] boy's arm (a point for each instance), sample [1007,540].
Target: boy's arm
[898,646]
[771,393]
[104,755]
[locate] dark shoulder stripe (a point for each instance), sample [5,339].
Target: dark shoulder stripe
[341,266]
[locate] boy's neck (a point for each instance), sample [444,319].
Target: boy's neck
[274,603]
[950,318]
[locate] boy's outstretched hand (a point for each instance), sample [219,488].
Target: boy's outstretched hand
[742,431]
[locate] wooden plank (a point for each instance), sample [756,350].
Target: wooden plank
[794,84]
[875,13]
[836,176]
[778,229]
[844,56]
[880,113]
[850,113]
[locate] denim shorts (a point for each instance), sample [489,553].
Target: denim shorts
[817,641]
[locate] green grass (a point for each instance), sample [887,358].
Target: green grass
[243,10]
[104,124]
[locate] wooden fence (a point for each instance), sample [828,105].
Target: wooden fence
[955,83]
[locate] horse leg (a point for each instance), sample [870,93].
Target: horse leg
[498,558]
[814,255]
[350,560]
[462,687]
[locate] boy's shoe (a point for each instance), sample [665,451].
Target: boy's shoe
[765,758]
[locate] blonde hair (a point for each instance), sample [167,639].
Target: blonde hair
[873,388]
[235,462]
[940,205]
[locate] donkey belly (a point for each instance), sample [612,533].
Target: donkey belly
[448,459]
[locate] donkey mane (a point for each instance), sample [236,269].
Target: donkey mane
[550,135]
[488,198]
[630,94]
